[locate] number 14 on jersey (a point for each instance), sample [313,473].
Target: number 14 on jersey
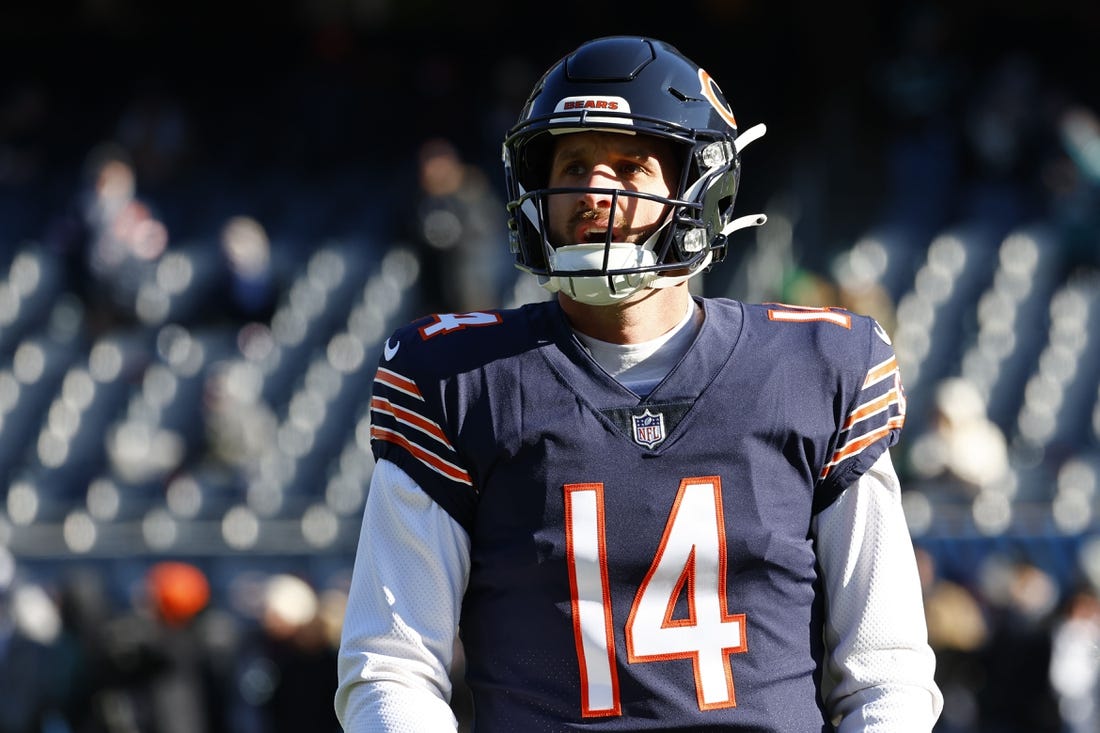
[690,563]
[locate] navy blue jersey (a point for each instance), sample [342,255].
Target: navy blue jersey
[640,563]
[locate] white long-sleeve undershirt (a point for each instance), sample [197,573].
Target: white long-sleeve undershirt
[401,621]
[880,666]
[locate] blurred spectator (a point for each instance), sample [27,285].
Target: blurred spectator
[460,233]
[805,287]
[252,287]
[332,605]
[24,657]
[841,289]
[296,659]
[177,592]
[1015,694]
[957,631]
[1072,180]
[158,674]
[863,291]
[1075,662]
[110,239]
[963,451]
[141,451]
[240,426]
[78,661]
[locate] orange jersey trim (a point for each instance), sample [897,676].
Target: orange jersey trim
[429,459]
[881,371]
[856,447]
[410,418]
[398,382]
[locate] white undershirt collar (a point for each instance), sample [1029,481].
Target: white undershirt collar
[640,367]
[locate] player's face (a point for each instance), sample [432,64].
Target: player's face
[608,161]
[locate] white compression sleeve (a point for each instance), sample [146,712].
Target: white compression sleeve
[411,570]
[875,628]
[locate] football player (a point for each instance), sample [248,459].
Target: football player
[639,509]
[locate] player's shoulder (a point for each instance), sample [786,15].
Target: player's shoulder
[828,331]
[449,343]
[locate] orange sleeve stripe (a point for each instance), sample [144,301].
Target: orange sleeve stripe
[410,418]
[429,459]
[867,409]
[880,371]
[398,382]
[858,446]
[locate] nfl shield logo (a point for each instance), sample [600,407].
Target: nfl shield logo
[649,429]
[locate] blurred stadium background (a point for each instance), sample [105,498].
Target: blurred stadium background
[211,216]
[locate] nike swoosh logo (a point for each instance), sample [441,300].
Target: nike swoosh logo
[390,351]
[878,330]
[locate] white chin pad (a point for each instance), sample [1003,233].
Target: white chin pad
[595,289]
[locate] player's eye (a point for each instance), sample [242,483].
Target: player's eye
[574,170]
[632,169]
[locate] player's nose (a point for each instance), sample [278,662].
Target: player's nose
[602,183]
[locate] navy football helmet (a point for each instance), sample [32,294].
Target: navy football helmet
[629,85]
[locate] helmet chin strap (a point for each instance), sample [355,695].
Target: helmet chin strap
[668,281]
